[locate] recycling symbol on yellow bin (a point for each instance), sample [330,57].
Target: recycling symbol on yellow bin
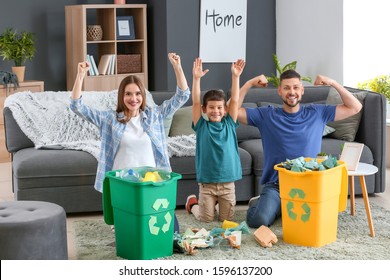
[160,203]
[290,206]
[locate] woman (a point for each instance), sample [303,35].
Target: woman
[133,135]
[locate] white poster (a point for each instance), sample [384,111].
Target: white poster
[222,30]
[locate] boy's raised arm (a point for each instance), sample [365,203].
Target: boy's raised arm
[237,68]
[197,74]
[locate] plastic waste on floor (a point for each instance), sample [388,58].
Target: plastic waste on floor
[223,239]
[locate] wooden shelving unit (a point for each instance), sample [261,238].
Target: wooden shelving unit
[78,17]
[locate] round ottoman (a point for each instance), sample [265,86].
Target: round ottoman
[32,230]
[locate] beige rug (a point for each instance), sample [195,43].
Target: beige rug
[95,241]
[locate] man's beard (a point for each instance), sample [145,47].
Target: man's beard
[291,105]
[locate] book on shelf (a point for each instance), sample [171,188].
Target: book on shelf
[91,72]
[95,69]
[112,65]
[104,63]
[109,65]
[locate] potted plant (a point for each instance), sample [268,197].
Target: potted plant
[274,79]
[322,155]
[380,84]
[17,46]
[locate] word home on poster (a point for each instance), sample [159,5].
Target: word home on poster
[222,30]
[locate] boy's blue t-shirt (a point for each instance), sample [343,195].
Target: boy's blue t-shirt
[288,136]
[217,158]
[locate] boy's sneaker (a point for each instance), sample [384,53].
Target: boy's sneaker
[253,201]
[191,201]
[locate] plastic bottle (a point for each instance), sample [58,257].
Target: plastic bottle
[131,175]
[164,174]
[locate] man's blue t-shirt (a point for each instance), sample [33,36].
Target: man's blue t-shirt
[288,136]
[217,158]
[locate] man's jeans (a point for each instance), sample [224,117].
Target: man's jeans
[267,208]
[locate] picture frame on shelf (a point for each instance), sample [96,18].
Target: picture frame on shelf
[125,28]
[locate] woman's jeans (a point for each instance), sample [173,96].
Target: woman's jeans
[176,227]
[267,208]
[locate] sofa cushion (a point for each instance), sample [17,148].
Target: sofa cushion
[182,122]
[345,129]
[244,131]
[255,148]
[246,161]
[53,168]
[15,139]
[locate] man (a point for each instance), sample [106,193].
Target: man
[288,132]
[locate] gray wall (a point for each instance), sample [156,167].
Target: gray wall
[173,26]
[177,30]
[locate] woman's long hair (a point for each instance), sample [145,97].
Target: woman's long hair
[121,106]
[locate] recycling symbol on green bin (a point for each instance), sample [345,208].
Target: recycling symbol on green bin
[290,206]
[160,203]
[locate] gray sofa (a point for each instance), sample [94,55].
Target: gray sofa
[66,177]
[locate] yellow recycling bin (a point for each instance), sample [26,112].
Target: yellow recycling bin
[310,203]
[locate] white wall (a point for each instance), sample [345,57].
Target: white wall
[366,40]
[310,31]
[346,40]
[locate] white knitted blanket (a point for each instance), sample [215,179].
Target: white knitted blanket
[182,146]
[46,119]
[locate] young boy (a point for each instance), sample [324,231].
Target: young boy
[217,159]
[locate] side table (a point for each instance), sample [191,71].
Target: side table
[362,170]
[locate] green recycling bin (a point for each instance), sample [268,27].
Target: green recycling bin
[142,213]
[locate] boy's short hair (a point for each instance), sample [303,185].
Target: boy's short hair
[289,74]
[214,95]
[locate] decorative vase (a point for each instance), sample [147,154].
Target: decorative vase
[19,72]
[94,33]
[119,1]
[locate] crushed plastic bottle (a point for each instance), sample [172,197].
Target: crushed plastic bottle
[131,175]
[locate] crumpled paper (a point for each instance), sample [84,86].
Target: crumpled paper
[301,165]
